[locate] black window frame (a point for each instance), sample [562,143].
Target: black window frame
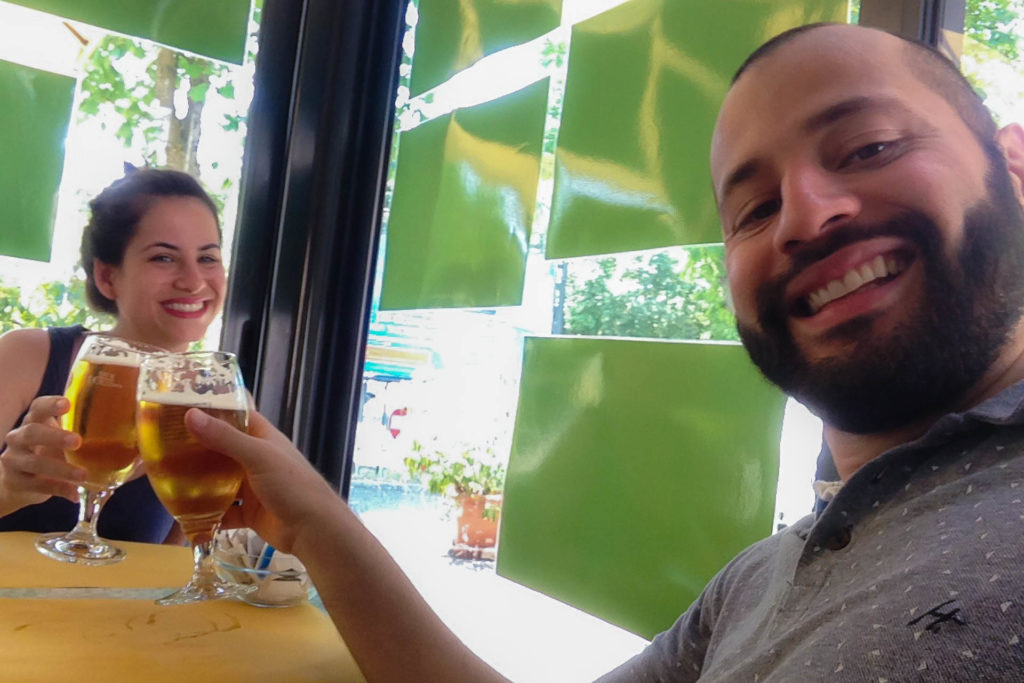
[317,150]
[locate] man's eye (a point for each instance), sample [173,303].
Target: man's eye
[759,213]
[868,152]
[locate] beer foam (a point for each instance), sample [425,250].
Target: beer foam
[130,359]
[193,399]
[206,380]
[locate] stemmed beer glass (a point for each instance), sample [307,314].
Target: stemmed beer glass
[101,389]
[195,484]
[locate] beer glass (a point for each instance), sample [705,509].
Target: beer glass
[101,390]
[195,484]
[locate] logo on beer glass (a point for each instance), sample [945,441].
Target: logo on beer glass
[106,379]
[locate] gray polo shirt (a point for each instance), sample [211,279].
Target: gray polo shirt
[913,572]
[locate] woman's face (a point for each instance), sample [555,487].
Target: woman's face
[170,284]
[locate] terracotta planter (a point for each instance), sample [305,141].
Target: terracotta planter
[474,532]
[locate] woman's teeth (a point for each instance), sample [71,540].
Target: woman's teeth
[876,269]
[185,308]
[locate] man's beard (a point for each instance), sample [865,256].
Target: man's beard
[928,362]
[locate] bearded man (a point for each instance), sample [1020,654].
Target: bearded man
[874,234]
[874,238]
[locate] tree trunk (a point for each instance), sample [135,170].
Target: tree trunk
[182,132]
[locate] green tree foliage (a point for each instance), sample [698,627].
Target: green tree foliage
[155,96]
[139,87]
[51,304]
[996,25]
[991,53]
[653,296]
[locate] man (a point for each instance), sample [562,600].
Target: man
[874,239]
[875,247]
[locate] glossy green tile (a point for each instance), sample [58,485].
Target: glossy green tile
[638,469]
[454,34]
[33,125]
[645,82]
[463,205]
[212,28]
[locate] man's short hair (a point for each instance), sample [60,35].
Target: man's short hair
[932,67]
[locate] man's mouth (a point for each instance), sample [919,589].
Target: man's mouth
[882,268]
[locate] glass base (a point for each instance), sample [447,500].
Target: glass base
[198,591]
[70,547]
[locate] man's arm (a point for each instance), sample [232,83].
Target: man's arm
[391,631]
[675,655]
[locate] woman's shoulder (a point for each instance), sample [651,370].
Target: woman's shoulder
[24,355]
[24,344]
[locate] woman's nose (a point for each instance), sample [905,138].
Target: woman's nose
[189,278]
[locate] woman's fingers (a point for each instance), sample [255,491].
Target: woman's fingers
[26,472]
[34,435]
[33,463]
[45,408]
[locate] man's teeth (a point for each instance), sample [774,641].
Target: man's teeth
[185,308]
[876,269]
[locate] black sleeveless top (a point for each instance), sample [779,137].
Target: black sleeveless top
[133,513]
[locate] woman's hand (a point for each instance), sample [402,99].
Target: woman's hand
[33,467]
[282,495]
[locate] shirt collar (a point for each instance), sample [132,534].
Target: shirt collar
[1005,408]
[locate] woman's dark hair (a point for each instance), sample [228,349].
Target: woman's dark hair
[115,216]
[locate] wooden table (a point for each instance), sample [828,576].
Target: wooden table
[64,622]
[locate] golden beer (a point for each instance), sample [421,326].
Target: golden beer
[102,397]
[195,484]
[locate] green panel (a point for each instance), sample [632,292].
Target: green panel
[212,28]
[33,125]
[638,469]
[454,34]
[636,177]
[463,204]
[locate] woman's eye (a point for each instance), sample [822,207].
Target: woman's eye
[161,258]
[209,259]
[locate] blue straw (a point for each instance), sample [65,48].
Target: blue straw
[264,560]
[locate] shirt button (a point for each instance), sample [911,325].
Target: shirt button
[839,540]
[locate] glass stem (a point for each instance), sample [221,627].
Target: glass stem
[89,506]
[205,570]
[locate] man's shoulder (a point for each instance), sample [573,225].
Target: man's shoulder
[755,564]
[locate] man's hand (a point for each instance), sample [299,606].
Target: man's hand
[282,494]
[33,467]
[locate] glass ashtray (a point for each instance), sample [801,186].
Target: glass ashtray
[280,578]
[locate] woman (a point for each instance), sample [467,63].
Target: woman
[151,254]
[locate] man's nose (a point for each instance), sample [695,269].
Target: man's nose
[813,201]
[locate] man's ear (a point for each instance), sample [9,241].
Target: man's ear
[103,276]
[1011,140]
